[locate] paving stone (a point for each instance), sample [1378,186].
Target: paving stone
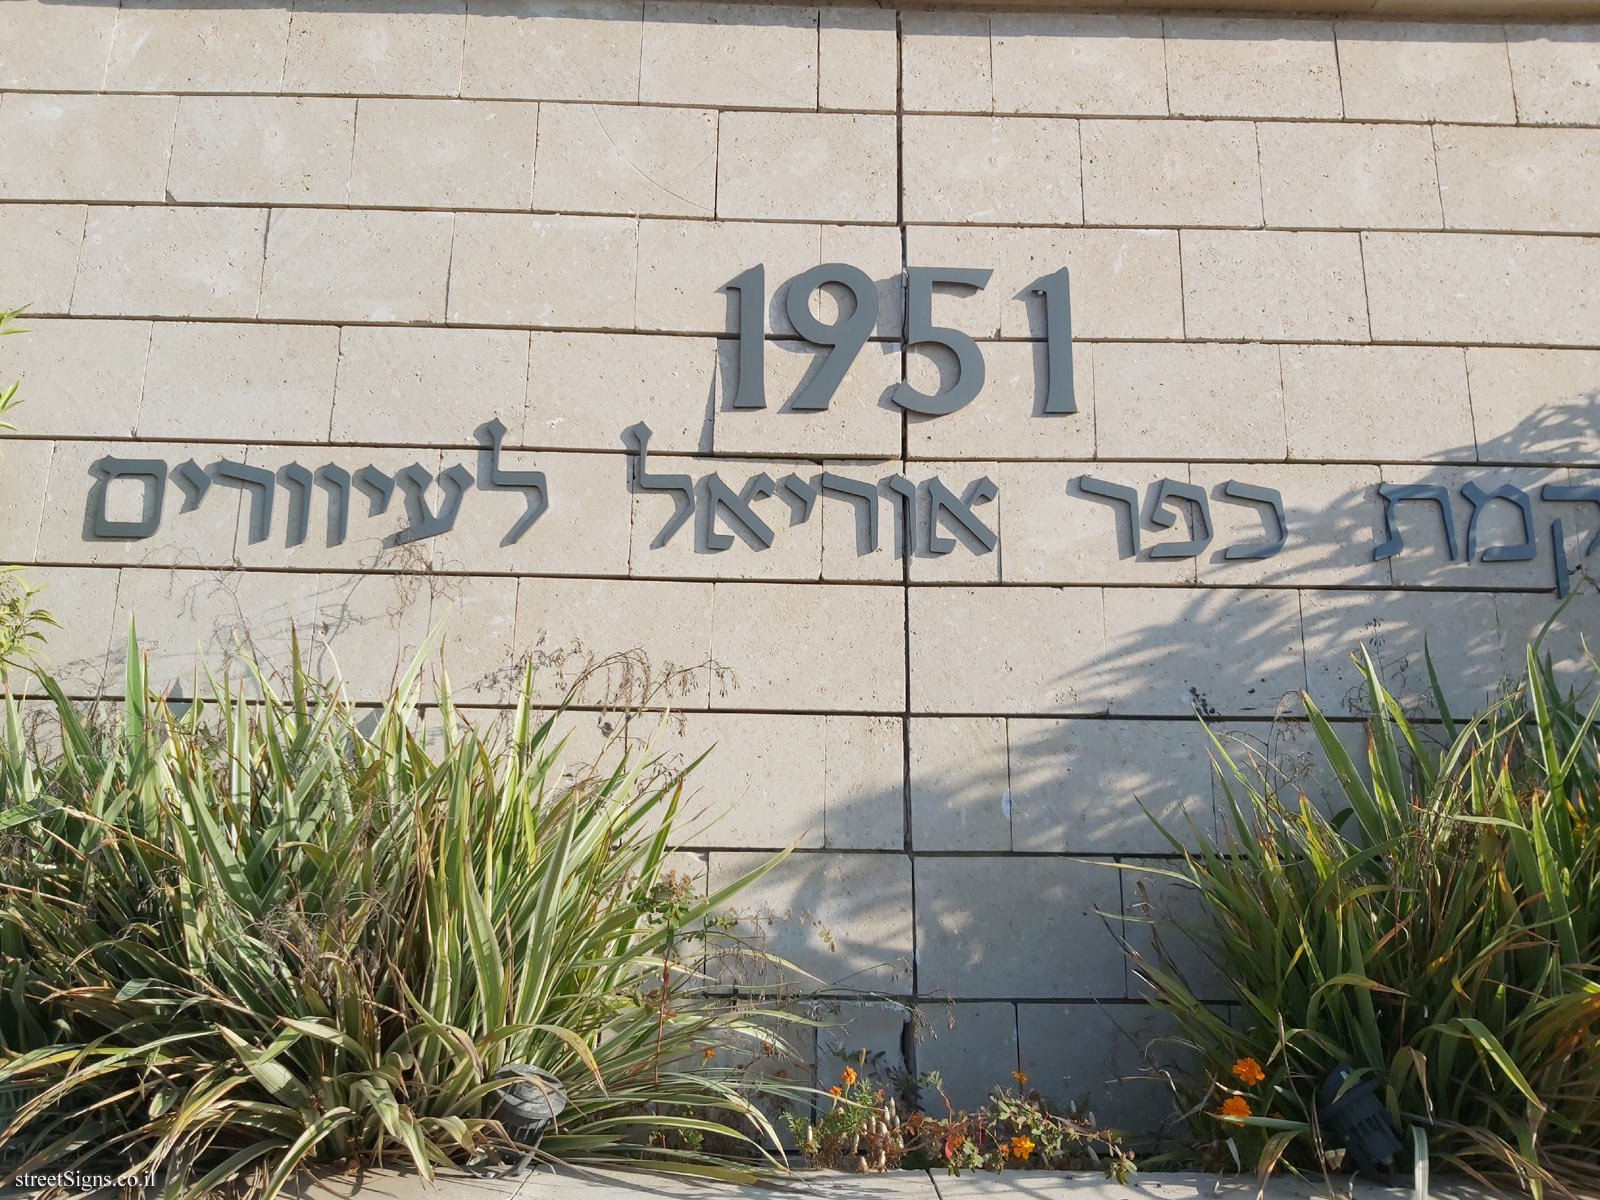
[1007,418]
[973,1047]
[1515,178]
[867,1037]
[729,56]
[1005,170]
[85,147]
[858,60]
[658,162]
[444,154]
[200,46]
[43,240]
[1535,405]
[170,262]
[945,62]
[1075,63]
[960,797]
[585,389]
[1339,403]
[865,784]
[1170,173]
[806,166]
[1225,399]
[544,271]
[1396,71]
[437,385]
[46,46]
[1323,174]
[859,420]
[1249,67]
[1095,1056]
[262,150]
[553,50]
[1274,285]
[76,378]
[376,47]
[1555,70]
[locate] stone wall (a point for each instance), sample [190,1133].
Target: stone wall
[1310,256]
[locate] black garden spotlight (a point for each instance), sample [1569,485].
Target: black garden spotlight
[530,1098]
[1353,1117]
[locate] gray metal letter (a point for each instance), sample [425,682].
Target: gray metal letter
[1273,499]
[378,487]
[867,493]
[902,487]
[920,329]
[153,471]
[801,491]
[1477,497]
[845,338]
[424,522]
[680,485]
[943,503]
[299,501]
[491,434]
[1166,519]
[261,482]
[1056,288]
[1395,493]
[737,504]
[1574,493]
[195,481]
[1126,496]
[337,482]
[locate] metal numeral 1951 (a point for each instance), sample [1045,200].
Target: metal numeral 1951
[845,338]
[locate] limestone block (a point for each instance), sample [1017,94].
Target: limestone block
[970,908]
[1555,70]
[729,55]
[1515,178]
[1078,63]
[1340,403]
[865,783]
[1006,419]
[658,162]
[945,62]
[1485,288]
[435,385]
[1277,285]
[684,265]
[1251,67]
[585,389]
[1058,533]
[23,493]
[761,784]
[842,919]
[992,170]
[477,649]
[204,46]
[574,272]
[376,47]
[1323,174]
[1425,72]
[85,147]
[45,45]
[859,420]
[258,382]
[1015,650]
[553,49]
[858,60]
[76,378]
[1178,651]
[795,552]
[824,647]
[1096,1056]
[170,262]
[454,154]
[1219,401]
[1093,786]
[846,533]
[42,241]
[1334,518]
[1170,173]
[866,1036]
[616,640]
[1568,643]
[83,600]
[806,166]
[262,150]
[973,1047]
[1535,405]
[960,791]
[356,265]
[1156,905]
[968,561]
[367,629]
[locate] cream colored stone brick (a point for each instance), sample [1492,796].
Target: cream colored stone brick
[1514,178]
[968,561]
[992,170]
[945,62]
[1251,67]
[1006,419]
[433,385]
[1098,1052]
[42,243]
[1568,642]
[960,794]
[1333,518]
[843,920]
[256,382]
[618,639]
[729,55]
[1078,63]
[376,47]
[1432,287]
[585,389]
[1216,651]
[806,166]
[865,783]
[1209,401]
[859,420]
[1170,173]
[46,46]
[961,902]
[357,265]
[876,249]
[262,150]
[1425,72]
[1124,282]
[1374,403]
[1015,650]
[761,784]
[845,553]
[170,262]
[874,1029]
[543,271]
[444,153]
[821,647]
[1271,284]
[199,46]
[85,147]
[858,59]
[973,1047]
[1092,786]
[553,50]
[684,265]
[367,629]
[1325,174]
[477,648]
[640,161]
[23,493]
[78,378]
[1555,71]
[84,602]
[1535,405]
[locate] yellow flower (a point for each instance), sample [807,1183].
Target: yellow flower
[1021,1077]
[1234,1106]
[1021,1146]
[848,1075]
[1248,1071]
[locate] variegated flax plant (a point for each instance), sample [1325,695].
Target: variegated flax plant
[254,936]
[1440,931]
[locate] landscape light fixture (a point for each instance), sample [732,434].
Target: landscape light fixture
[530,1099]
[1353,1117]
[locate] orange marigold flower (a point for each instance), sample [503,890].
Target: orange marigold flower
[1234,1106]
[708,1052]
[1020,1147]
[836,1090]
[1248,1071]
[1021,1077]
[848,1075]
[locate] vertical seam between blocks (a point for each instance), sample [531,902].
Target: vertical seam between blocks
[144,382]
[533,167]
[288,43]
[111,48]
[1338,70]
[1166,71]
[1472,409]
[1366,296]
[1183,299]
[38,528]
[444,317]
[988,33]
[461,59]
[1261,175]
[355,141]
[1511,75]
[1438,180]
[77,263]
[172,149]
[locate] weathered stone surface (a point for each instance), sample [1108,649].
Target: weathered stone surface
[1279,286]
[1071,63]
[43,241]
[585,389]
[972,1046]
[376,47]
[1247,67]
[22,483]
[1514,178]
[1006,419]
[444,154]
[438,385]
[79,378]
[865,784]
[553,49]
[659,162]
[1555,70]
[1340,403]
[806,166]
[262,150]
[200,46]
[858,60]
[366,629]
[85,147]
[476,646]
[84,602]
[543,271]
[960,797]
[358,265]
[1098,1053]
[1170,173]
[992,170]
[683,267]
[170,262]
[945,62]
[46,46]
[1535,405]
[729,55]
[1224,401]
[1330,175]
[1425,72]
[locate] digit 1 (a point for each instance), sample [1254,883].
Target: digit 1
[1056,289]
[752,288]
